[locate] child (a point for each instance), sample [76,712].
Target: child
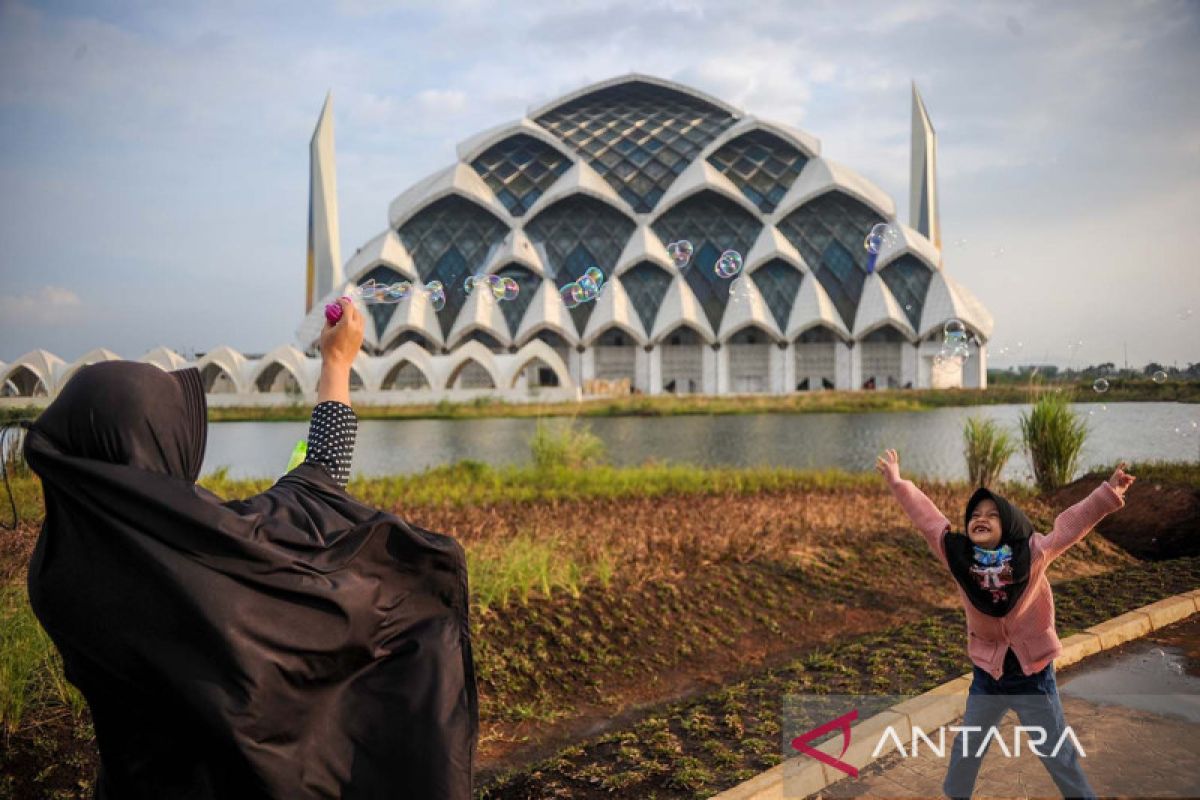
[1000,565]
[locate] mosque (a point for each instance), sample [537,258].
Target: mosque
[607,177]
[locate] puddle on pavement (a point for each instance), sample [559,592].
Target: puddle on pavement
[1158,675]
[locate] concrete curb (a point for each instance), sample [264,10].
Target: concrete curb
[943,704]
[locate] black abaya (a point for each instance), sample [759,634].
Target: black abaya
[297,644]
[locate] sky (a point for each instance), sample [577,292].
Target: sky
[154,156]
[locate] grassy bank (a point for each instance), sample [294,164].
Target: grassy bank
[682,405]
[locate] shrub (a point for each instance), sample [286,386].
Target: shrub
[987,448]
[572,446]
[1053,436]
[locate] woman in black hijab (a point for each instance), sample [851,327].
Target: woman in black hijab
[297,644]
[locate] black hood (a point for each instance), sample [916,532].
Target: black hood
[993,590]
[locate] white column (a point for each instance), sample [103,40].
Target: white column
[788,369]
[655,370]
[575,366]
[641,369]
[847,361]
[708,367]
[722,370]
[908,364]
[588,364]
[975,370]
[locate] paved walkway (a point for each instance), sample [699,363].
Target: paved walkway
[1136,712]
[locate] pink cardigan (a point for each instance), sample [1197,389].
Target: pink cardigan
[1029,627]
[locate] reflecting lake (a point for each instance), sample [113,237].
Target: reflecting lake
[930,442]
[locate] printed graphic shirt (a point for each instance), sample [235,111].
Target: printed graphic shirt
[993,570]
[331,435]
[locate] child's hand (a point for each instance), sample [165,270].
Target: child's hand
[888,465]
[1120,480]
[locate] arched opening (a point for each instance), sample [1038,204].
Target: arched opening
[750,361]
[471,375]
[403,338]
[815,354]
[24,382]
[535,374]
[356,381]
[484,338]
[683,361]
[405,376]
[881,358]
[616,356]
[277,378]
[217,380]
[556,343]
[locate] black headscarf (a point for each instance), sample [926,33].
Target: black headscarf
[994,595]
[297,644]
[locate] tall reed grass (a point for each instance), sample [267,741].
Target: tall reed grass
[987,448]
[1053,436]
[572,445]
[31,675]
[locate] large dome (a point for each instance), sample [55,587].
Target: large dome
[609,175]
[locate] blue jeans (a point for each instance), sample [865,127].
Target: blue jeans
[1035,700]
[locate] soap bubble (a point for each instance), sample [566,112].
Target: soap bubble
[1159,376]
[1185,314]
[680,253]
[729,264]
[740,287]
[1100,385]
[571,294]
[954,327]
[397,292]
[589,287]
[881,236]
[595,274]
[437,294]
[510,288]
[469,283]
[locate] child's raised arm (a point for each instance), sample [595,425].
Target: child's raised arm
[1073,524]
[931,522]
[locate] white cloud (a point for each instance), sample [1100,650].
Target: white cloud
[49,305]
[442,101]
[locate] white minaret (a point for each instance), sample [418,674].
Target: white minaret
[922,191]
[324,267]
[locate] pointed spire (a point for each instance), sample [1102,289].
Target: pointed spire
[324,263]
[922,198]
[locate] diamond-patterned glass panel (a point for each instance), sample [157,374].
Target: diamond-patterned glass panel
[514,310]
[646,285]
[519,170]
[779,283]
[762,165]
[449,240]
[381,313]
[574,234]
[712,224]
[907,278]
[829,231]
[638,136]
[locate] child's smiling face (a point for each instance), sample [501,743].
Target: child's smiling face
[984,526]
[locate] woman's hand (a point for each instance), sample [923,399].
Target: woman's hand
[340,343]
[888,465]
[1121,480]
